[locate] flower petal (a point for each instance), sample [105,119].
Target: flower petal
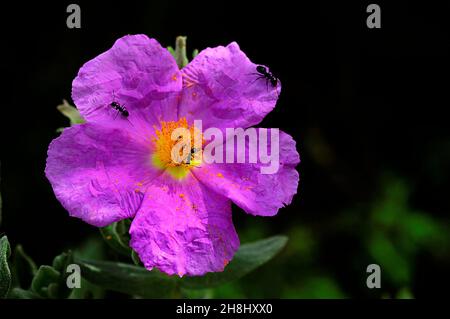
[246,186]
[222,88]
[99,173]
[135,71]
[183,228]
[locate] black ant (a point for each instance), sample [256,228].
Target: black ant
[264,73]
[191,156]
[120,108]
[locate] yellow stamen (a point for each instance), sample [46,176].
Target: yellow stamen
[164,143]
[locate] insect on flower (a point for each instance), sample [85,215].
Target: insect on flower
[182,212]
[264,73]
[191,155]
[120,108]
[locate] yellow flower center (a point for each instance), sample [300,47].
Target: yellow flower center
[177,147]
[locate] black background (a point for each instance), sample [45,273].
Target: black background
[378,96]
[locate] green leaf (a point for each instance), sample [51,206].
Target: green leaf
[61,262]
[171,51]
[135,258]
[404,293]
[0,198]
[45,276]
[19,293]
[59,288]
[23,268]
[92,248]
[201,293]
[70,112]
[396,265]
[117,237]
[87,291]
[5,273]
[127,278]
[50,281]
[247,258]
[194,53]
[422,229]
[138,281]
[316,287]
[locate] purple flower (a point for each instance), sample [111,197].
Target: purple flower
[115,166]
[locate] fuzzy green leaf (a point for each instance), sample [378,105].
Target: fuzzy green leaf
[135,258]
[171,51]
[134,280]
[92,248]
[59,289]
[70,112]
[5,273]
[127,278]
[117,237]
[19,293]
[23,268]
[45,276]
[50,281]
[0,198]
[247,258]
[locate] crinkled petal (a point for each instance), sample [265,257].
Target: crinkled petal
[99,173]
[134,72]
[222,88]
[246,186]
[184,228]
[142,123]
